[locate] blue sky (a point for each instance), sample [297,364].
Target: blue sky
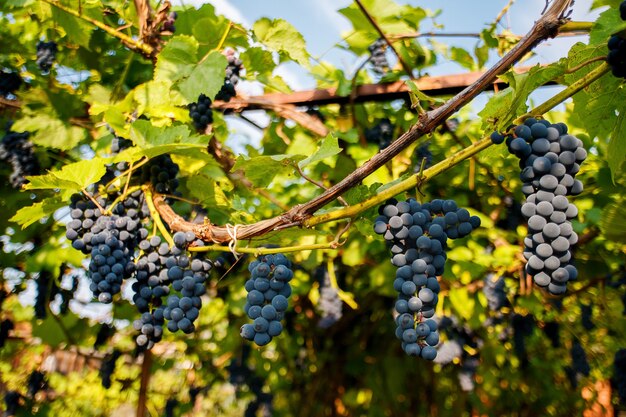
[322,27]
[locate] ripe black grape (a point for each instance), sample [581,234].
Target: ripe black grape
[168,25]
[9,82]
[107,368]
[201,113]
[619,373]
[11,402]
[268,291]
[36,382]
[380,65]
[417,234]
[617,49]
[381,134]
[46,55]
[423,154]
[161,172]
[17,150]
[579,359]
[495,292]
[550,158]
[233,74]
[329,304]
[5,327]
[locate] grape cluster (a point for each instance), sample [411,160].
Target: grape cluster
[513,214]
[170,407]
[523,326]
[423,154]
[495,292]
[417,235]
[580,365]
[617,49]
[329,304]
[46,55]
[619,375]
[551,330]
[112,248]
[11,402]
[17,150]
[36,382]
[107,368]
[268,291]
[161,269]
[109,239]
[549,160]
[44,283]
[5,327]
[168,25]
[453,349]
[239,374]
[161,172]
[201,113]
[380,65]
[9,82]
[586,315]
[381,134]
[105,332]
[233,70]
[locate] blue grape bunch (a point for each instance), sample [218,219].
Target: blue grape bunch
[417,235]
[46,55]
[201,113]
[380,65]
[550,158]
[267,300]
[617,49]
[162,270]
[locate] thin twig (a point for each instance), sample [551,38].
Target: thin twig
[317,183]
[369,17]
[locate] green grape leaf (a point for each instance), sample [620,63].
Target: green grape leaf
[207,77]
[612,222]
[616,151]
[261,170]
[33,213]
[510,103]
[601,105]
[78,30]
[328,148]
[50,132]
[176,59]
[72,177]
[416,95]
[607,24]
[282,37]
[258,61]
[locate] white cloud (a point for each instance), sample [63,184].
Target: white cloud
[222,7]
[329,9]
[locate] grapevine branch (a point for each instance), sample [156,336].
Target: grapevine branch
[372,21]
[219,234]
[545,27]
[568,29]
[131,43]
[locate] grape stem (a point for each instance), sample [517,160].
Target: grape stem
[572,89]
[93,200]
[344,296]
[218,234]
[545,27]
[266,251]
[131,43]
[121,197]
[147,190]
